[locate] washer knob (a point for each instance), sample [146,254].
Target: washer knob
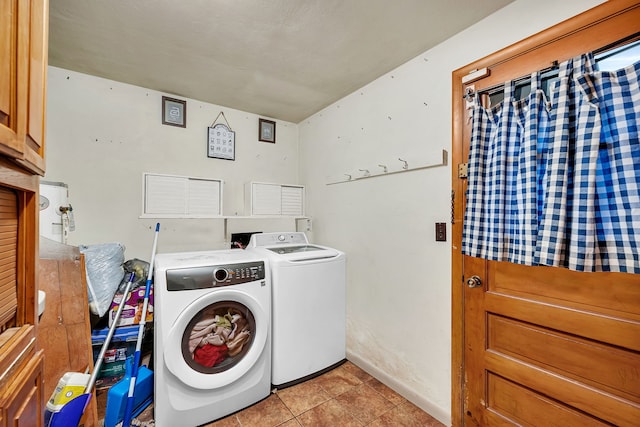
[281,237]
[220,274]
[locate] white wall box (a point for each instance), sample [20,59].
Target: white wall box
[169,196]
[274,199]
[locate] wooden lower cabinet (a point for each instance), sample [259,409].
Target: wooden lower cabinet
[22,402]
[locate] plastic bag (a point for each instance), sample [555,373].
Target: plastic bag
[139,268]
[104,273]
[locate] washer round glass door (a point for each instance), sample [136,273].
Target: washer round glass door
[216,339]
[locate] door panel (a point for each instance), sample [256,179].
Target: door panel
[542,346]
[561,335]
[603,291]
[511,403]
[575,358]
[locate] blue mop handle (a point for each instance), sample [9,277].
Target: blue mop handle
[128,411]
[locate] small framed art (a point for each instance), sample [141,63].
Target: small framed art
[267,131]
[221,142]
[174,112]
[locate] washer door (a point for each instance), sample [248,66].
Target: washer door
[216,339]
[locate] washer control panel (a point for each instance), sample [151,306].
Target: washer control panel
[273,239]
[183,279]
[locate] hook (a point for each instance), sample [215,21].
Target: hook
[366,172]
[468,93]
[384,168]
[406,165]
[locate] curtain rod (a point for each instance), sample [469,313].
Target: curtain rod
[552,71]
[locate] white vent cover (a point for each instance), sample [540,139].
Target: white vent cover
[180,196]
[275,199]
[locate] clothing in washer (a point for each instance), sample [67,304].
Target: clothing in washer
[212,346]
[308,305]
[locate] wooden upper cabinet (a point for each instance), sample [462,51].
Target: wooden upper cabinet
[23,71]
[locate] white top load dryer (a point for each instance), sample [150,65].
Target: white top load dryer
[308,306]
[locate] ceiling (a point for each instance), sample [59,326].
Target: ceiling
[283,59]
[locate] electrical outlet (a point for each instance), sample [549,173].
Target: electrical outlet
[441,231]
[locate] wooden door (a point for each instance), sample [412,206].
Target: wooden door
[542,346]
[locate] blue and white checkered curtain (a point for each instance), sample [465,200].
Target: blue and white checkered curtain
[557,182]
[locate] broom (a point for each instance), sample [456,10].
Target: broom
[128,411]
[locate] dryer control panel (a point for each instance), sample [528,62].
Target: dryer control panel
[184,279]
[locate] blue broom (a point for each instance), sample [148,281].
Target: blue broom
[128,411]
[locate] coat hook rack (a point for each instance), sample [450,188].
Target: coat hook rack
[386,172]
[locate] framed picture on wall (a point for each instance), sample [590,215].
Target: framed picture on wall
[267,131]
[174,112]
[221,142]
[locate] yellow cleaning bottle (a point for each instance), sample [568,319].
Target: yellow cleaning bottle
[70,386]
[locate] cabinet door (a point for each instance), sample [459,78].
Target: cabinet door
[25,405]
[8,75]
[38,53]
[23,68]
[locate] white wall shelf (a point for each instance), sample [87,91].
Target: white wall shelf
[385,172]
[227,217]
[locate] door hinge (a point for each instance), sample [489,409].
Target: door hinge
[462,170]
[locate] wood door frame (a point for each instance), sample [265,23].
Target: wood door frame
[536,48]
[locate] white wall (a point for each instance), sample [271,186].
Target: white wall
[399,285]
[102,135]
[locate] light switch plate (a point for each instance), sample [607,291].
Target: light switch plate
[441,231]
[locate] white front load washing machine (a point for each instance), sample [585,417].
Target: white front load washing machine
[212,335]
[308,307]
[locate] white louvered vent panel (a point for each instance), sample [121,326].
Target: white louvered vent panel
[266,199]
[274,199]
[165,195]
[180,196]
[204,197]
[292,200]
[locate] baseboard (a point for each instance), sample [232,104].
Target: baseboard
[426,405]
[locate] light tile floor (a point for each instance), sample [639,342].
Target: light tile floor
[343,397]
[346,396]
